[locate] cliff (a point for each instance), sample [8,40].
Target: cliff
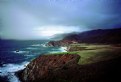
[61,43]
[64,68]
[45,68]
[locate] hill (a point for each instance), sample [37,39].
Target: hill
[97,36]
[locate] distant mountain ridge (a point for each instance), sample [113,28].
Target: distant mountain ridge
[102,36]
[97,36]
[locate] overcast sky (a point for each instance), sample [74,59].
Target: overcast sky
[41,19]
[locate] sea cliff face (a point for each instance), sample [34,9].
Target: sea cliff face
[47,68]
[64,68]
[61,43]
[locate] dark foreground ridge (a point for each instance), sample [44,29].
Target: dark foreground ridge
[65,68]
[46,68]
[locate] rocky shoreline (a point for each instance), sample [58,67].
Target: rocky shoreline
[65,68]
[61,43]
[47,67]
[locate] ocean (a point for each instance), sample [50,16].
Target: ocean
[15,55]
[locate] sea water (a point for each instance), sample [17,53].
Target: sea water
[15,55]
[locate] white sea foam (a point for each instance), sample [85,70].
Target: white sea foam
[19,52]
[63,49]
[13,78]
[31,48]
[54,51]
[29,55]
[10,69]
[43,45]
[36,45]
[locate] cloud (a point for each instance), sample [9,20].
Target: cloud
[46,31]
[18,18]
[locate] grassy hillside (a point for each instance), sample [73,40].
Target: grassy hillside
[91,53]
[97,63]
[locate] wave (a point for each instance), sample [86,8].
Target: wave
[19,52]
[38,45]
[8,70]
[31,48]
[43,45]
[63,49]
[35,45]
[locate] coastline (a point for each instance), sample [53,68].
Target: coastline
[9,71]
[63,49]
[18,73]
[86,71]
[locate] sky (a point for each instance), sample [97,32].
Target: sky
[42,19]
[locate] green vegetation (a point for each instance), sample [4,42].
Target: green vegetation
[91,53]
[94,52]
[61,53]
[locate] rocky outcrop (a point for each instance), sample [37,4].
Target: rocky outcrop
[45,68]
[64,68]
[61,43]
